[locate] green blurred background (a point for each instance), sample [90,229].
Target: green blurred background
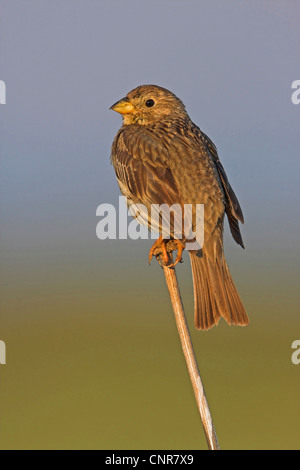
[93,356]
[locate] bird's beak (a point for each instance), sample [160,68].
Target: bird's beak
[123,106]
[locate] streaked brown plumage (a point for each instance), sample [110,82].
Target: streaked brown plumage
[161,156]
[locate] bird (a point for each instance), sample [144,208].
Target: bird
[161,157]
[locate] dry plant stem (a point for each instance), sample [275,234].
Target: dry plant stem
[189,355]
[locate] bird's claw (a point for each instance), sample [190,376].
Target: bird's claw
[162,250]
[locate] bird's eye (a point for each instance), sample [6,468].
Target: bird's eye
[149,103]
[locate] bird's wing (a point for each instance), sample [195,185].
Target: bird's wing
[147,182]
[233,208]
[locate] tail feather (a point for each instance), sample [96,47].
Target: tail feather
[215,294]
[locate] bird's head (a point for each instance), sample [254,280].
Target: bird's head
[149,103]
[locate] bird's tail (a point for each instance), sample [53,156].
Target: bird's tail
[215,294]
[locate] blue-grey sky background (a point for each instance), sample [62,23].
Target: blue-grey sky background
[64,64]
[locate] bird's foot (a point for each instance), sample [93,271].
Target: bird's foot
[179,247]
[159,250]
[162,249]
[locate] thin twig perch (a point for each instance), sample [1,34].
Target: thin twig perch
[187,347]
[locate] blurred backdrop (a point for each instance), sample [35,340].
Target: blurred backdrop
[93,356]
